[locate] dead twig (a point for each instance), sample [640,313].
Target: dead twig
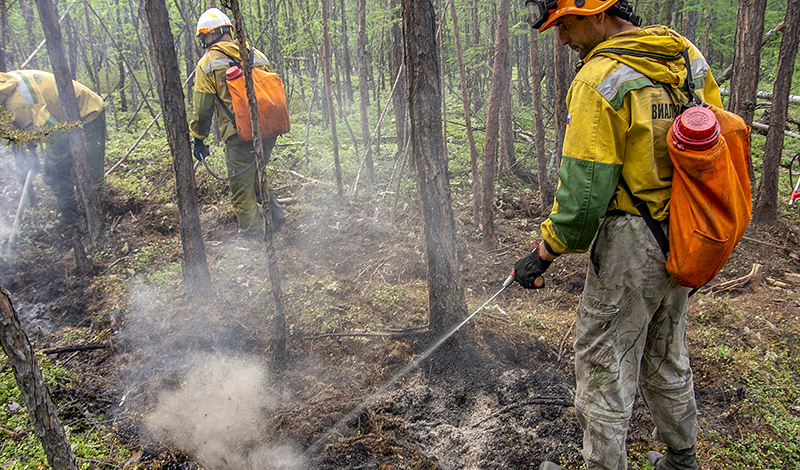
[394,334]
[563,340]
[78,347]
[533,401]
[294,173]
[763,242]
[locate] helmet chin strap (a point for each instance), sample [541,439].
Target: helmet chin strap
[214,41]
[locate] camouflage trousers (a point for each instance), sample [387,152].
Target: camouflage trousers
[245,188]
[631,333]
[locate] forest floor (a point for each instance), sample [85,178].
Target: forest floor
[190,382]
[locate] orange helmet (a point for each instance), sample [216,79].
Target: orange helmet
[545,12]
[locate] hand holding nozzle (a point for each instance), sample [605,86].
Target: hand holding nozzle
[529,271]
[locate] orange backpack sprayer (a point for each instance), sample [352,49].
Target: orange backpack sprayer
[710,205]
[273,116]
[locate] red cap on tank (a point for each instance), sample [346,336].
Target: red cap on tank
[233,73]
[696,128]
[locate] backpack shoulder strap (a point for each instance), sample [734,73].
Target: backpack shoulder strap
[652,224]
[234,61]
[696,101]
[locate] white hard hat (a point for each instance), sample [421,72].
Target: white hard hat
[212,19]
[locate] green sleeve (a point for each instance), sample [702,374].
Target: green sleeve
[594,143]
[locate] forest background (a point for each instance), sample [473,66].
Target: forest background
[108,48]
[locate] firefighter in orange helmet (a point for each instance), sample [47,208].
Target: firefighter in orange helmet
[631,319]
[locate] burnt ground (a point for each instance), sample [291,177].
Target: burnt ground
[191,382]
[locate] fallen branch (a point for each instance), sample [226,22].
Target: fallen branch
[729,71]
[20,209]
[78,347]
[533,401]
[291,172]
[392,334]
[765,127]
[763,242]
[136,144]
[133,147]
[754,276]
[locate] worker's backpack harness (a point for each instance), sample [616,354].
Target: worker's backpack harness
[273,114]
[710,205]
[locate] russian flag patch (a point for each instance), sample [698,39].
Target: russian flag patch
[569,119]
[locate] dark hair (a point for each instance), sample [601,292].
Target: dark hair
[623,10]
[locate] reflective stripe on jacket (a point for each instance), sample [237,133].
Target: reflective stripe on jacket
[32,97]
[619,115]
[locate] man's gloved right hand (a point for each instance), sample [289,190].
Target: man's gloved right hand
[529,268]
[200,151]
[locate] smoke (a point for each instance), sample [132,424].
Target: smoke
[214,405]
[218,415]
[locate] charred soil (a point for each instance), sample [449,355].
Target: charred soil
[191,382]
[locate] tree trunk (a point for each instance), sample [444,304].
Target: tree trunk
[275,42]
[709,18]
[122,98]
[4,62]
[507,157]
[766,206]
[524,87]
[562,78]
[492,126]
[33,389]
[27,15]
[690,30]
[326,74]
[72,41]
[747,59]
[363,92]
[346,58]
[545,191]
[473,151]
[399,98]
[477,98]
[195,266]
[446,293]
[747,62]
[66,93]
[549,71]
[190,58]
[263,147]
[94,68]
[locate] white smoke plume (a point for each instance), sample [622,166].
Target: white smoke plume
[218,415]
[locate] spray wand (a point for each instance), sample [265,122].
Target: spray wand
[314,448]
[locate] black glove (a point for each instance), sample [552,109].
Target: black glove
[200,150]
[529,268]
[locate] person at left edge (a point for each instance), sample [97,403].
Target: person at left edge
[211,94]
[32,97]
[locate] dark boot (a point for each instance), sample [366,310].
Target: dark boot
[674,459]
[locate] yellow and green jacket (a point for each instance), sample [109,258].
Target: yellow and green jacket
[210,84]
[619,115]
[32,97]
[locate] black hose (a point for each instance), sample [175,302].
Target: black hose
[230,177]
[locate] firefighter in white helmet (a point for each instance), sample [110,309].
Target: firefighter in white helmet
[211,94]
